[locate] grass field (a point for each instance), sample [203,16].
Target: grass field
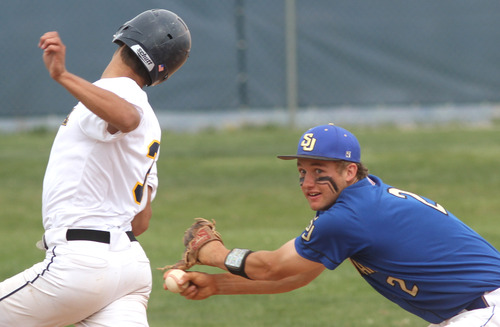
[235,178]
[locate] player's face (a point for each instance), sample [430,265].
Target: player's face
[321,182]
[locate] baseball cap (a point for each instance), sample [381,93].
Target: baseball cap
[327,142]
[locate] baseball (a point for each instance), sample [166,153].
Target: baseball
[173,277]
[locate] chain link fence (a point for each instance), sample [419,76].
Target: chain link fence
[292,56]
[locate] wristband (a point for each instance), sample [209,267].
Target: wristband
[235,261]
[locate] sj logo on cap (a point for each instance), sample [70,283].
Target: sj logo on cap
[308,142]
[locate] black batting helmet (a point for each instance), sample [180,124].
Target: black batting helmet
[160,39]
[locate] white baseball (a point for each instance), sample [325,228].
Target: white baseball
[171,281]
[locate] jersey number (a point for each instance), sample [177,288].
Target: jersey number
[402,284]
[403,194]
[139,188]
[363,270]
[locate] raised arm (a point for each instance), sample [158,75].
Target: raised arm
[120,114]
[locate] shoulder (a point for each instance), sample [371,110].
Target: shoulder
[120,85]
[127,89]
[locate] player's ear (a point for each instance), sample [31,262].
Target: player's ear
[351,171]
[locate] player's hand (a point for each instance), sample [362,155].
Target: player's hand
[202,285]
[54,54]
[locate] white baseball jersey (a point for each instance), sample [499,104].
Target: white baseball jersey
[95,179]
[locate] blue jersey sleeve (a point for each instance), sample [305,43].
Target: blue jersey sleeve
[332,237]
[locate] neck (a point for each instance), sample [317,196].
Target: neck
[117,68]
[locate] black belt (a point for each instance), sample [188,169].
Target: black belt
[93,235]
[479,303]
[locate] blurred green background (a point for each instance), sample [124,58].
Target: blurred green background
[233,176]
[427,65]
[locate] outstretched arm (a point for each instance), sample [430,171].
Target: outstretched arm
[262,265]
[120,114]
[265,272]
[205,285]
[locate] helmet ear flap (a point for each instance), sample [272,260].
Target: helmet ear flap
[160,39]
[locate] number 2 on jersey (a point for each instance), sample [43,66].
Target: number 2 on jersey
[403,194]
[402,284]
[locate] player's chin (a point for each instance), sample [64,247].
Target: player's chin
[315,206]
[320,205]
[315,202]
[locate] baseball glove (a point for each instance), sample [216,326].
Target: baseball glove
[201,232]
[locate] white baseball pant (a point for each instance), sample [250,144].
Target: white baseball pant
[84,283]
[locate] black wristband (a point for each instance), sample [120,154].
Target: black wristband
[235,261]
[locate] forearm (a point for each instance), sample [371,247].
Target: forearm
[257,266]
[228,284]
[264,265]
[119,113]
[261,265]
[205,285]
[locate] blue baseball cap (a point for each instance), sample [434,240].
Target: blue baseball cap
[327,142]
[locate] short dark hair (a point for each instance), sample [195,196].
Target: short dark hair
[362,170]
[130,59]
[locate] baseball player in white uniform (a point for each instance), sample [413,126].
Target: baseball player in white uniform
[99,184]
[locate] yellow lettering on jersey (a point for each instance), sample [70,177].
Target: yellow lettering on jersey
[308,142]
[138,192]
[306,236]
[363,270]
[153,149]
[402,194]
[402,284]
[65,122]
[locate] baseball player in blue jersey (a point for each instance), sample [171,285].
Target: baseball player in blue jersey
[99,184]
[409,248]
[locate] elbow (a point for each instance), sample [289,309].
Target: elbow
[138,230]
[265,265]
[140,224]
[129,120]
[140,227]
[271,272]
[129,124]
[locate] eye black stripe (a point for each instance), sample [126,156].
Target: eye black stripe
[330,181]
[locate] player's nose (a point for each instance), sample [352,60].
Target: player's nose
[307,181]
